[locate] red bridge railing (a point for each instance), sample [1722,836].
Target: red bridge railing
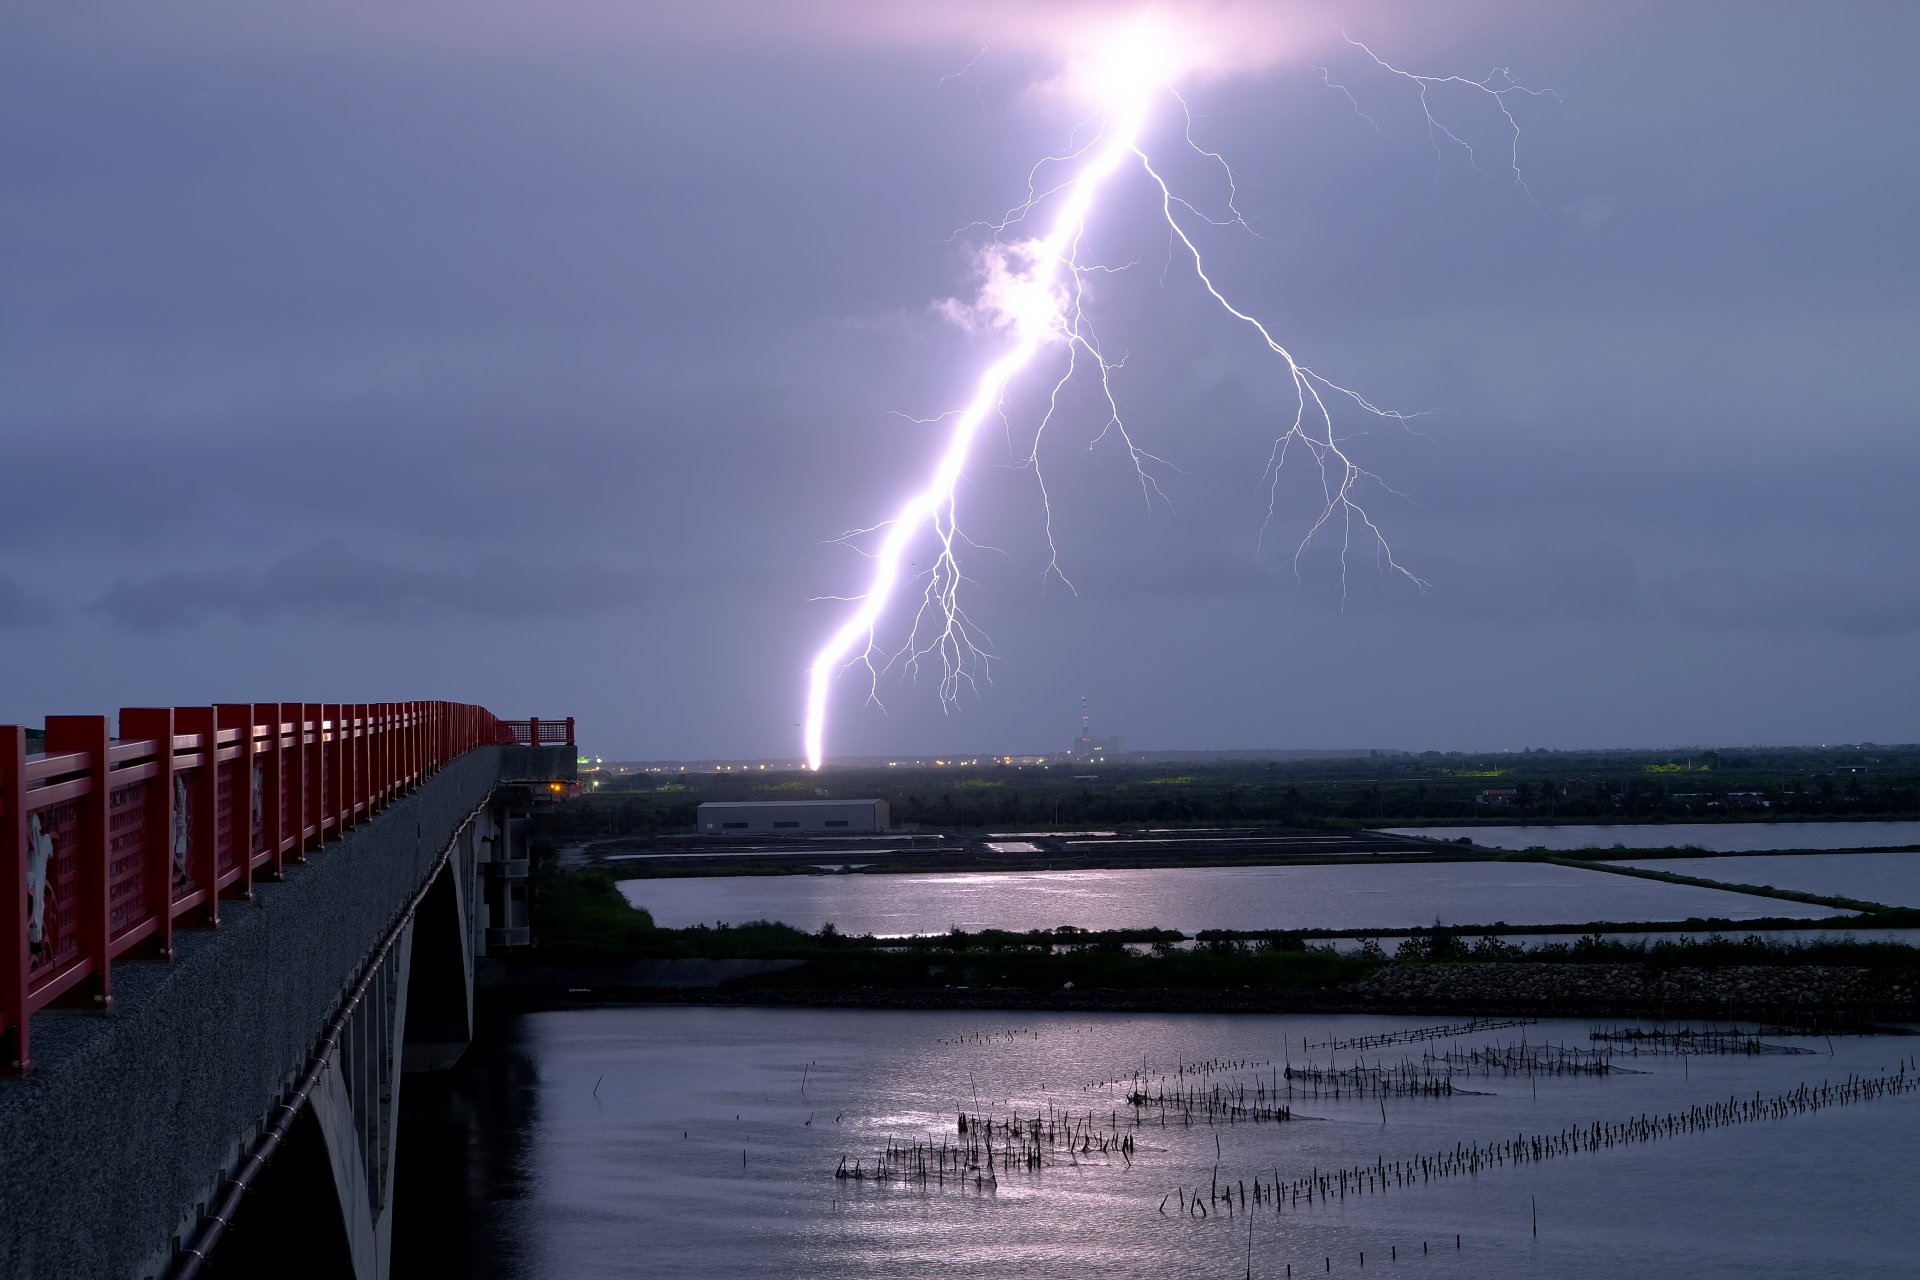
[537,732]
[118,842]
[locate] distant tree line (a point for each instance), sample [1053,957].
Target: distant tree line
[1855,781]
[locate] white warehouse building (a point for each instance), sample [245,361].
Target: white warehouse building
[781,817]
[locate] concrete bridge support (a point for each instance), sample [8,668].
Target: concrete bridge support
[412,1012]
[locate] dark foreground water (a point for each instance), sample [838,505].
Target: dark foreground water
[702,1143]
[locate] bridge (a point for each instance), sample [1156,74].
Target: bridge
[235,930]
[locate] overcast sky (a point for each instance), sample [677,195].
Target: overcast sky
[536,355]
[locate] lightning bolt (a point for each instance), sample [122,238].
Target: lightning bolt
[1034,291]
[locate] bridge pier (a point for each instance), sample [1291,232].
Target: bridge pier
[353,1105]
[439,1024]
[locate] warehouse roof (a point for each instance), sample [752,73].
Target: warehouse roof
[777,804]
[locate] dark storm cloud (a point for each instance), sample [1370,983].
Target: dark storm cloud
[333,583]
[365,341]
[1604,584]
[16,604]
[1836,599]
[1592,583]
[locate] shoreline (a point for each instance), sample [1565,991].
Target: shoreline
[1814,997]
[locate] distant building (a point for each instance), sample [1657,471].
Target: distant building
[790,817]
[1499,795]
[1087,749]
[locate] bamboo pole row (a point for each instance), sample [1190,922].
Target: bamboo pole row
[1681,1040]
[1522,1060]
[1414,1035]
[1179,1072]
[1469,1160]
[985,1148]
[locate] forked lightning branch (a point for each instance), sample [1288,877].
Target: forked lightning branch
[1033,298]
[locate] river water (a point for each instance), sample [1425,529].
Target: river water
[702,1142]
[1714,837]
[1390,896]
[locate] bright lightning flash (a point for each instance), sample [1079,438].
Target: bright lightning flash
[1033,293]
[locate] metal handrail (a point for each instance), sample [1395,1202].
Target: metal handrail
[116,842]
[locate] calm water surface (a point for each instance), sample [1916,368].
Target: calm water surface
[1394,896]
[1890,878]
[631,1142]
[1715,837]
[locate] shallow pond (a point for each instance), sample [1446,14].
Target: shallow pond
[1389,896]
[1890,878]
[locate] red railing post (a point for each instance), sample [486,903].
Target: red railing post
[203,808]
[351,782]
[369,758]
[295,803]
[246,799]
[375,774]
[15,1054]
[342,718]
[383,753]
[315,813]
[335,751]
[362,761]
[349,751]
[570,738]
[411,770]
[402,747]
[90,735]
[154,726]
[268,758]
[533,731]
